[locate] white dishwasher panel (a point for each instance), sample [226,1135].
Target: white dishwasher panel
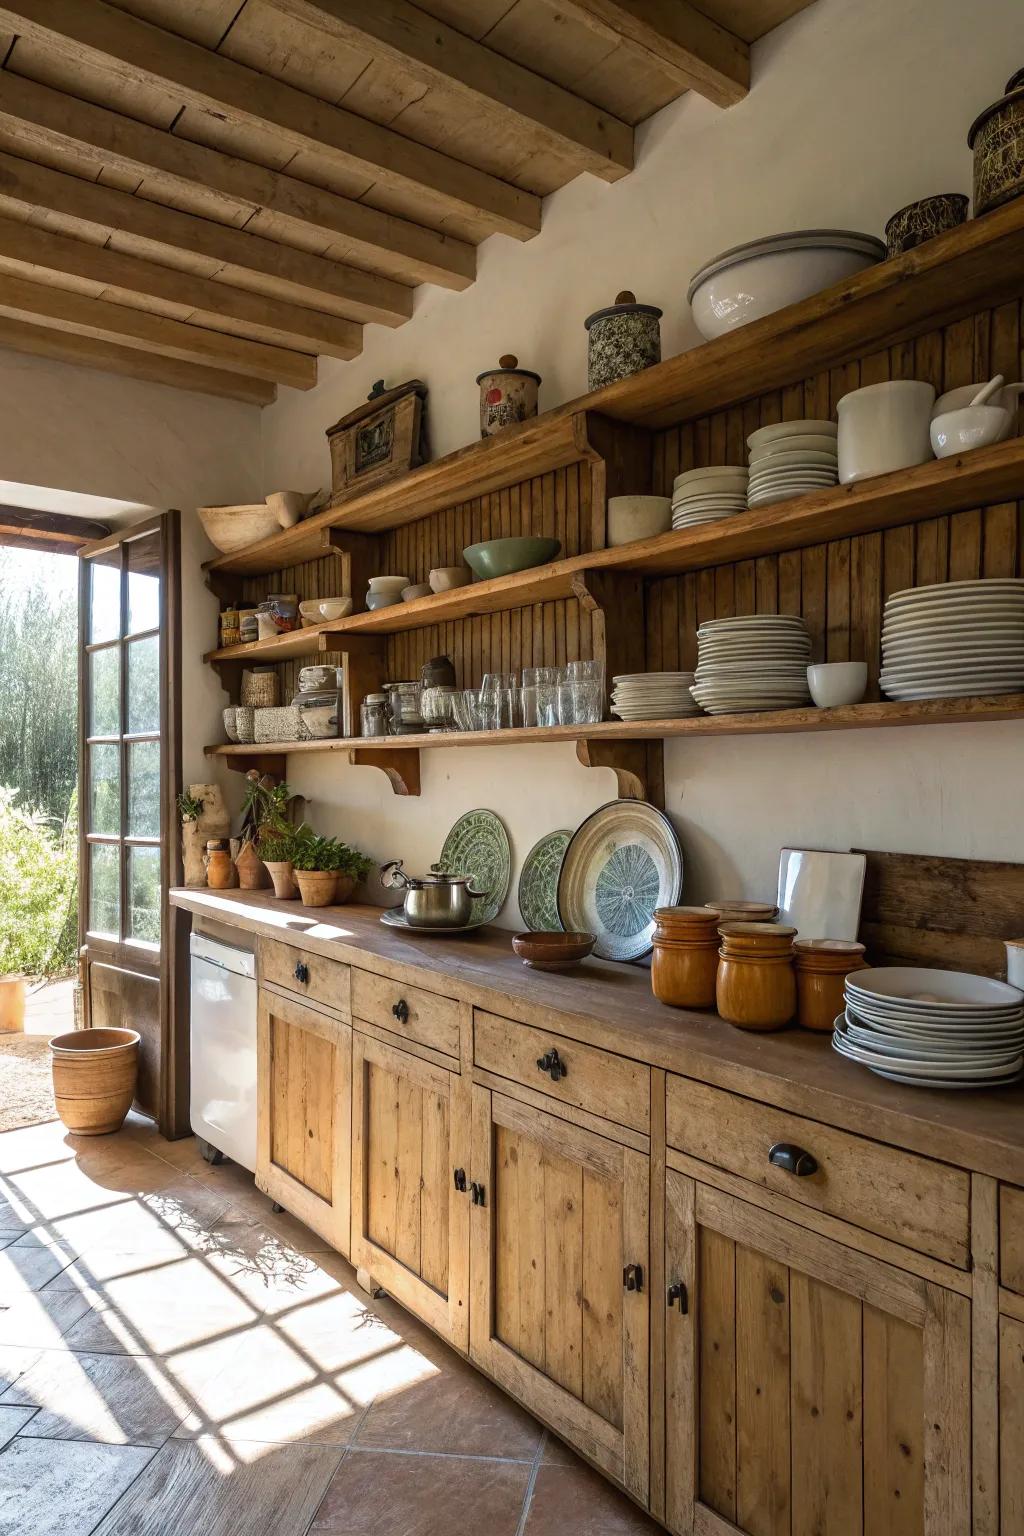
[223,1048]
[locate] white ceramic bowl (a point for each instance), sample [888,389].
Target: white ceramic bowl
[335,607]
[835,683]
[973,426]
[956,399]
[391,586]
[637,517]
[309,611]
[758,278]
[445,577]
[418,589]
[884,427]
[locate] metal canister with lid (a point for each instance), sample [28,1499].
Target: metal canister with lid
[374,715]
[624,339]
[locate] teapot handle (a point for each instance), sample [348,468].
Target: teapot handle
[393,877]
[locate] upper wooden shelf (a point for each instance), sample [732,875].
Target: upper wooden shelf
[983,477]
[977,265]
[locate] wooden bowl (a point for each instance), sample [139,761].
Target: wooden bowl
[553,951]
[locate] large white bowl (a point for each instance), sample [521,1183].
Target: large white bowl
[973,426]
[756,279]
[637,517]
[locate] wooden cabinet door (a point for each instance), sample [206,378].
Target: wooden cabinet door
[810,1391]
[303,1154]
[410,1199]
[559,1228]
[1011,1426]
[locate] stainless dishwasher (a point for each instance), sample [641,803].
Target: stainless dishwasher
[223,1048]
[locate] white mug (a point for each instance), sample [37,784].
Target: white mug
[1015,962]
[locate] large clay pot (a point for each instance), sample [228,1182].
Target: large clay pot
[94,1076]
[316,886]
[12,1005]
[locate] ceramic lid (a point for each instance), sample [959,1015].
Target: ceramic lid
[507,364]
[625,304]
[797,239]
[760,930]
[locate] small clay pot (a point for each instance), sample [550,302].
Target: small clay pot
[280,872]
[822,966]
[252,873]
[220,871]
[317,886]
[756,986]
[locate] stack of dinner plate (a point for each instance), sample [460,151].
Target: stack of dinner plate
[957,637]
[934,1029]
[790,459]
[653,696]
[705,495]
[756,661]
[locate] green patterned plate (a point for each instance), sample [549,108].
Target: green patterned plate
[622,863]
[538,883]
[478,845]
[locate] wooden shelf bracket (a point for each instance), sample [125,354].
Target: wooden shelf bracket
[638,766]
[400,764]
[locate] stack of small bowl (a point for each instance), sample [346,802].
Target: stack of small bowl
[752,661]
[706,495]
[791,459]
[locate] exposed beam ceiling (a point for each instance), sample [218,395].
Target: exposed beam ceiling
[704,56]
[47,532]
[501,88]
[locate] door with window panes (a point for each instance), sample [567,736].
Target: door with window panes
[129,780]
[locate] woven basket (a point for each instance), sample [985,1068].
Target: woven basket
[260,689]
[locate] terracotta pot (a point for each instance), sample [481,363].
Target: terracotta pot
[822,966]
[281,876]
[756,987]
[12,1005]
[316,886]
[220,871]
[252,873]
[94,1076]
[684,965]
[344,885]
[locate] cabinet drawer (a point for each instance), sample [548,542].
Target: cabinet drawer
[309,976]
[899,1195]
[411,1012]
[588,1078]
[1011,1238]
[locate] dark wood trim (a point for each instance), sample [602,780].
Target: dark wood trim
[52,533]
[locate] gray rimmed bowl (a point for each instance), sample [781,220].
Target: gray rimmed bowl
[501,557]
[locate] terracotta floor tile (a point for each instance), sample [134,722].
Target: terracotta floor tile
[209,1488]
[116,1399]
[577,1499]
[62,1487]
[557,1453]
[453,1410]
[388,1494]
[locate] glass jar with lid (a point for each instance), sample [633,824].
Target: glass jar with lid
[374,715]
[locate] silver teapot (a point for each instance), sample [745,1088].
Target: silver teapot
[437,900]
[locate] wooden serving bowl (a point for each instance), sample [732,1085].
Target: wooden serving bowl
[553,951]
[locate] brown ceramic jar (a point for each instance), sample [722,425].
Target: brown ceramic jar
[756,984]
[684,965]
[220,872]
[822,966]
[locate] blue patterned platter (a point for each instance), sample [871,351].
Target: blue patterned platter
[478,845]
[538,883]
[621,864]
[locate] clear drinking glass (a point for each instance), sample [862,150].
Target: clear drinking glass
[528,703]
[495,682]
[566,703]
[587,702]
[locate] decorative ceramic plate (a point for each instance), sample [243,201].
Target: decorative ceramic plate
[478,845]
[621,864]
[538,883]
[394,917]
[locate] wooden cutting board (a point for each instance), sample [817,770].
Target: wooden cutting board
[951,913]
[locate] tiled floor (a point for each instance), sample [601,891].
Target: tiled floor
[176,1360]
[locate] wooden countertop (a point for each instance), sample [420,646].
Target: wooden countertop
[611,1005]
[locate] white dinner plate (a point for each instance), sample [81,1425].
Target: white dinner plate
[772,498]
[789,458]
[924,1068]
[900,1019]
[799,442]
[919,987]
[722,472]
[1008,644]
[1000,614]
[743,622]
[907,693]
[939,591]
[781,429]
[953,1062]
[947,1044]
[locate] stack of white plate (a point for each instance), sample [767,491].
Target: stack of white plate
[757,661]
[955,638]
[935,1029]
[653,696]
[790,459]
[705,495]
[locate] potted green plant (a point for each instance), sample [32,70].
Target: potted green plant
[326,870]
[267,837]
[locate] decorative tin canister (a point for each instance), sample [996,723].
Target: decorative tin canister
[624,339]
[508,394]
[923,220]
[997,139]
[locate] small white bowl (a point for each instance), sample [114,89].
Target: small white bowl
[445,577]
[419,589]
[310,612]
[637,517]
[834,683]
[335,607]
[391,585]
[975,426]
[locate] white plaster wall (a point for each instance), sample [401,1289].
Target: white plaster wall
[856,109]
[95,434]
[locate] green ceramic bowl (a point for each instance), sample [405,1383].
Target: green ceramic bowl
[500,557]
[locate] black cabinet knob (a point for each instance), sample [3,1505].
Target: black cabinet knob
[401,1011]
[553,1065]
[793,1159]
[301,972]
[633,1277]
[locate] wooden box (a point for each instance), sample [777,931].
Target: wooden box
[384,438]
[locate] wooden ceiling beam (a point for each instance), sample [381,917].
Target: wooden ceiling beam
[407,252]
[703,56]
[314,280]
[210,302]
[84,351]
[47,532]
[60,308]
[457,66]
[142,54]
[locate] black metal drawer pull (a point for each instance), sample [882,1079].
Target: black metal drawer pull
[301,972]
[633,1277]
[677,1293]
[460,1180]
[793,1159]
[553,1064]
[401,1011]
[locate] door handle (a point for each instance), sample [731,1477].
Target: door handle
[633,1277]
[793,1159]
[677,1293]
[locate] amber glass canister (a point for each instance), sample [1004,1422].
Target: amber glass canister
[684,965]
[756,984]
[822,966]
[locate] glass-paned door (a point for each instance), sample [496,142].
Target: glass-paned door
[130,777]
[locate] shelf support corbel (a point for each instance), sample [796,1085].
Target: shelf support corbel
[359,559]
[400,764]
[266,763]
[638,766]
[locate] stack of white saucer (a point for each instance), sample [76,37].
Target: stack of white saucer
[954,638]
[756,661]
[653,696]
[790,459]
[705,495]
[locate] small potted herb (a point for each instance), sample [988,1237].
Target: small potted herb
[326,870]
[275,849]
